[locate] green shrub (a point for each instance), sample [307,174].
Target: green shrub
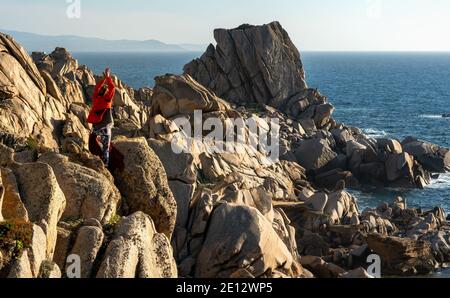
[15,236]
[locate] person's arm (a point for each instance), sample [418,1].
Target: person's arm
[97,87]
[111,89]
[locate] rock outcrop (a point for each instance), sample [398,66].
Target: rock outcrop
[433,158]
[253,64]
[181,95]
[179,207]
[138,250]
[251,247]
[89,194]
[144,186]
[24,92]
[42,197]
[259,64]
[402,256]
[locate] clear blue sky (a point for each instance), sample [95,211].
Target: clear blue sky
[313,24]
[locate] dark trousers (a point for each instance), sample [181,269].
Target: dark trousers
[103,136]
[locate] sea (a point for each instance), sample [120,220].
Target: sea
[386,94]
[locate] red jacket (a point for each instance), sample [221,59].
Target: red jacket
[100,104]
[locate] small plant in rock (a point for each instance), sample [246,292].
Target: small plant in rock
[15,237]
[109,228]
[115,219]
[31,144]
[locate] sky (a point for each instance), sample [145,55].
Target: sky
[314,25]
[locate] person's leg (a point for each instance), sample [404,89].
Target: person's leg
[106,143]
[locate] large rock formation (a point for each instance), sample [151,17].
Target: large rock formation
[251,64]
[27,109]
[251,247]
[260,64]
[238,212]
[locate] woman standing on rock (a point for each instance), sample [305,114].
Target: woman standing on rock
[101,116]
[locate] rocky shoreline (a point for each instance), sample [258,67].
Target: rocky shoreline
[203,213]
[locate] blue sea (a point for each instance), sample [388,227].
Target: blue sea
[386,94]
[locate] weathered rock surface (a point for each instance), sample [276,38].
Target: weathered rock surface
[87,245]
[402,256]
[89,194]
[251,247]
[137,250]
[233,213]
[42,197]
[433,158]
[256,64]
[144,186]
[24,93]
[179,95]
[314,154]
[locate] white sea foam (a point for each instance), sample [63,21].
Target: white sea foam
[427,116]
[443,182]
[375,133]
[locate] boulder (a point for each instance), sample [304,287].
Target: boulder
[24,93]
[399,166]
[75,131]
[320,268]
[162,129]
[143,184]
[233,189]
[200,211]
[87,245]
[282,226]
[42,197]
[183,194]
[402,256]
[312,244]
[251,249]
[390,146]
[342,208]
[22,261]
[89,194]
[64,243]
[256,169]
[342,136]
[179,167]
[21,267]
[314,154]
[433,158]
[178,95]
[251,64]
[138,250]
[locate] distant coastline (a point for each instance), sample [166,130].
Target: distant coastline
[47,43]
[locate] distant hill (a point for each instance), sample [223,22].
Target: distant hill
[46,43]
